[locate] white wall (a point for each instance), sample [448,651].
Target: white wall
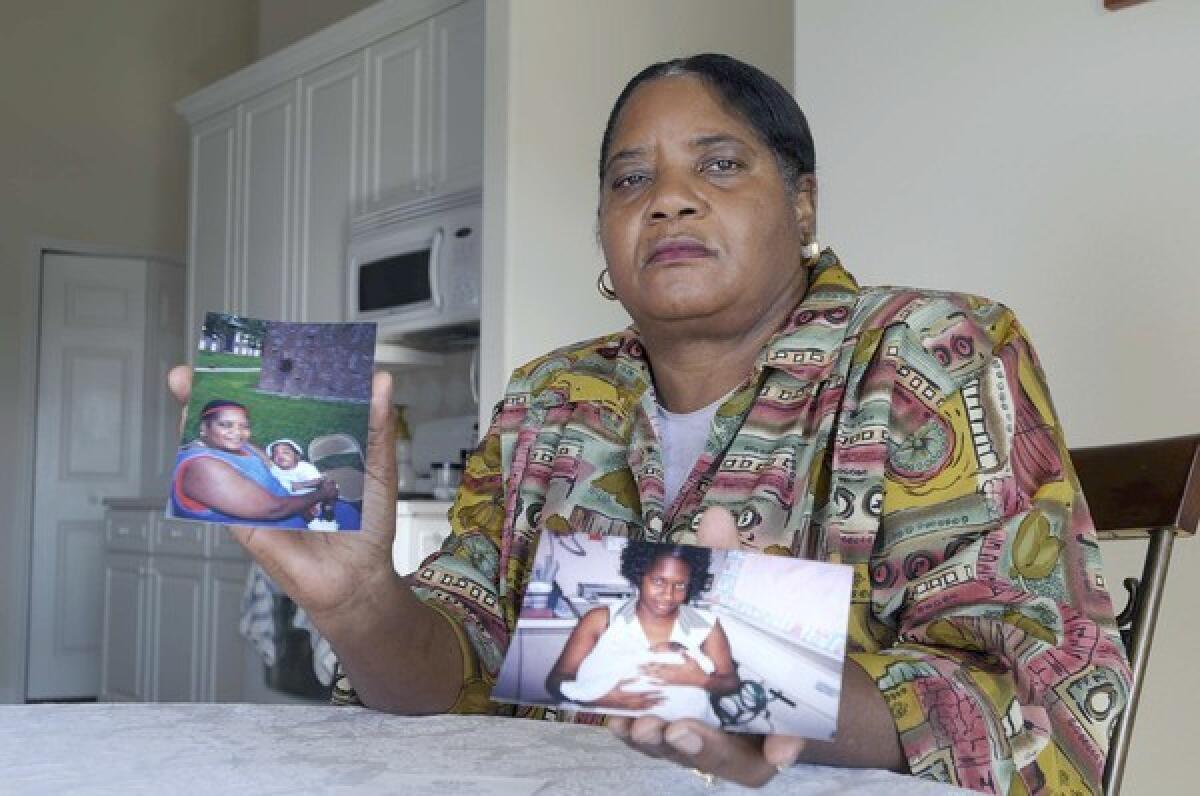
[1046,154]
[283,22]
[554,68]
[90,151]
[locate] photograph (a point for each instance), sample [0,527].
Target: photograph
[276,429]
[630,628]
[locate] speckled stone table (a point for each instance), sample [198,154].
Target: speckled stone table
[276,749]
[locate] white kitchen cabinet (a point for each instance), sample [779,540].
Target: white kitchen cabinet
[267,173]
[457,113]
[213,271]
[122,669]
[384,105]
[332,136]
[425,131]
[399,150]
[172,601]
[421,527]
[225,661]
[175,656]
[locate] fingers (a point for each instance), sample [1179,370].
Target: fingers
[379,504]
[381,402]
[737,758]
[179,380]
[718,529]
[782,751]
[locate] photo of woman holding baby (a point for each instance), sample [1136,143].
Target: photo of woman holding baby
[222,477]
[655,653]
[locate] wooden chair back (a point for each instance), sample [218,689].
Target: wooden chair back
[1140,490]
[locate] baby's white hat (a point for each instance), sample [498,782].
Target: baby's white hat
[284,441]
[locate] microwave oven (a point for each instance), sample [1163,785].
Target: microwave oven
[415,269]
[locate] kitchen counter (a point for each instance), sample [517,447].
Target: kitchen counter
[156,503]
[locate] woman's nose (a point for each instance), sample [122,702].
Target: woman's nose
[674,198]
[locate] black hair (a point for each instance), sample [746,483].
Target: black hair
[218,404]
[752,94]
[639,557]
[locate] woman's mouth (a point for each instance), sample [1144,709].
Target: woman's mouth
[677,250]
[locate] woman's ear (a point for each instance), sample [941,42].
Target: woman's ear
[805,203]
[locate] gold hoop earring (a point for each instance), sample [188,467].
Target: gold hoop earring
[605,290]
[810,251]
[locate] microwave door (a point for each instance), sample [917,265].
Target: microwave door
[400,279]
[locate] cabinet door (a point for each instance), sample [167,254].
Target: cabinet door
[122,670]
[331,144]
[457,137]
[213,278]
[225,660]
[268,172]
[176,654]
[398,132]
[417,535]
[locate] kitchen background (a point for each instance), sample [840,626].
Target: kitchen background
[1041,153]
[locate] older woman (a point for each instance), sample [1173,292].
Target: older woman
[906,433]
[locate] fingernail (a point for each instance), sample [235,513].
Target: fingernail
[685,741]
[785,759]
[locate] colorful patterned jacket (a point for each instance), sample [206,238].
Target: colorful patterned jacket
[908,433]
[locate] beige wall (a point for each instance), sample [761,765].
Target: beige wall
[554,68]
[1044,154]
[282,22]
[90,151]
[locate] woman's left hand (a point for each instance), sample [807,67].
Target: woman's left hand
[686,673]
[745,759]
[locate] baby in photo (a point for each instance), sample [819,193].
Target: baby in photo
[299,477]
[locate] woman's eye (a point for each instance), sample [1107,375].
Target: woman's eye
[628,181]
[721,165]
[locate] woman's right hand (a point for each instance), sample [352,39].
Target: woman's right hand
[330,574]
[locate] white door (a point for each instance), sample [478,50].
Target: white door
[88,447]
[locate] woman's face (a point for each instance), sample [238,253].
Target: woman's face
[696,222]
[664,587]
[226,429]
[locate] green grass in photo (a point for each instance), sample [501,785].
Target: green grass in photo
[275,416]
[220,359]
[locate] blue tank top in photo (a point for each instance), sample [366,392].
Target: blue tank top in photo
[248,464]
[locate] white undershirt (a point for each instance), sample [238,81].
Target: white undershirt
[682,437]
